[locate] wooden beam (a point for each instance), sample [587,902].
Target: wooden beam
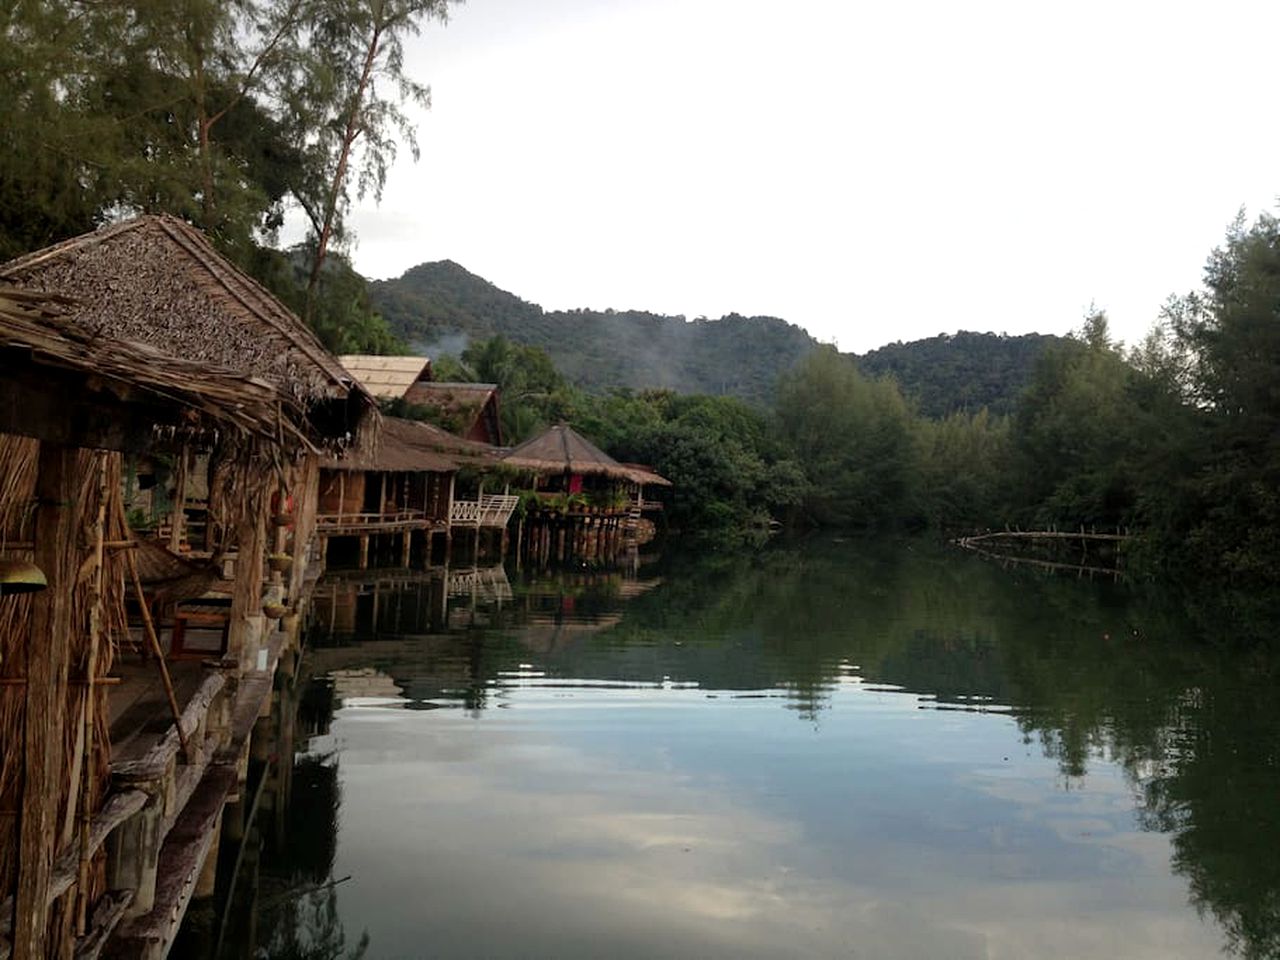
[48,663]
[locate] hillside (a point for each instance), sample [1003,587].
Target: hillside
[437,307]
[961,371]
[740,356]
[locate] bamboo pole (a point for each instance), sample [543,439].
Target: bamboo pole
[90,712]
[150,630]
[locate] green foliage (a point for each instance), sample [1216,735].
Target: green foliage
[961,470]
[213,112]
[1227,361]
[853,437]
[532,394]
[728,471]
[962,372]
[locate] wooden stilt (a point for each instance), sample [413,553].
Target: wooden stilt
[89,717]
[48,662]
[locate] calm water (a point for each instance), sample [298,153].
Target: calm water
[845,750]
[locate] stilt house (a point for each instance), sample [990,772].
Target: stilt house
[139,338]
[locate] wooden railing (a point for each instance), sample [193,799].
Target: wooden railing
[491,510]
[326,522]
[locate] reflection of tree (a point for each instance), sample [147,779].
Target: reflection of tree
[1217,793]
[298,906]
[308,927]
[1089,671]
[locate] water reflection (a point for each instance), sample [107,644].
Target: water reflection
[889,750]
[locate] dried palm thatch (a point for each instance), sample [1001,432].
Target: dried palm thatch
[95,472]
[561,449]
[156,305]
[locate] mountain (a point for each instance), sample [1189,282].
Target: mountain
[960,371]
[742,356]
[437,307]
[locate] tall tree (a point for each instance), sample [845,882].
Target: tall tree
[347,99]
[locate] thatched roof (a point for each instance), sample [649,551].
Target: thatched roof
[467,409]
[561,449]
[40,330]
[404,446]
[157,284]
[386,377]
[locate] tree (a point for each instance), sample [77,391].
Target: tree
[853,437]
[338,100]
[1229,335]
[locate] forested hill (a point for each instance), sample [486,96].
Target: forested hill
[961,371]
[433,303]
[739,356]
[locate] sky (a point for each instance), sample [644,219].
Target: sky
[872,172]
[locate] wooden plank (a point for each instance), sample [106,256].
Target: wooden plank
[153,764]
[48,662]
[119,807]
[181,860]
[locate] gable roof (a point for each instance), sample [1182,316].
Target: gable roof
[403,447]
[184,395]
[156,283]
[386,377]
[561,449]
[463,451]
[461,405]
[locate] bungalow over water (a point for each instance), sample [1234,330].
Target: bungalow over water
[586,501]
[117,764]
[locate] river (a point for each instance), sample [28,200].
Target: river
[830,749]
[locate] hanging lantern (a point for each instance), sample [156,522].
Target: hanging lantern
[20,576]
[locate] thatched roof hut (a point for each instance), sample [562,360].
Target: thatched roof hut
[468,409]
[561,449]
[153,301]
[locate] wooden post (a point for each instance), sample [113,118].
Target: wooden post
[406,547]
[179,501]
[246,592]
[364,551]
[48,661]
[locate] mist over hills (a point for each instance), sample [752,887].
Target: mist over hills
[438,307]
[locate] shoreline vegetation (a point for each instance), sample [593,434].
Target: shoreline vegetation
[1175,442]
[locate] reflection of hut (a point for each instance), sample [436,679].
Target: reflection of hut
[403,487]
[469,410]
[165,348]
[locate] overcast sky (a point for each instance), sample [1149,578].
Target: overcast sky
[870,171]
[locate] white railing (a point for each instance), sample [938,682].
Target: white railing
[491,510]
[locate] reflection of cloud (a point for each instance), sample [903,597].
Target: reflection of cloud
[492,839]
